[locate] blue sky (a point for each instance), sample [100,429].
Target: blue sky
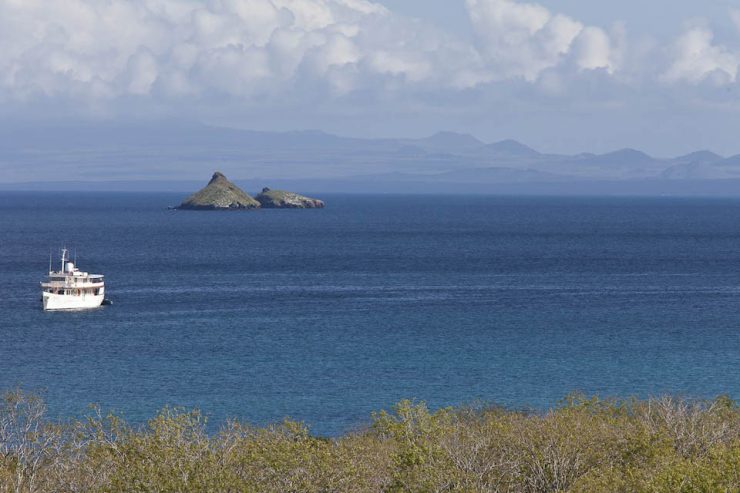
[560,75]
[663,17]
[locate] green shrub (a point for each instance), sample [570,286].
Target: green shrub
[583,445]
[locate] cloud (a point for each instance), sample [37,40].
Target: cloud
[593,49]
[524,39]
[244,49]
[696,58]
[232,56]
[256,49]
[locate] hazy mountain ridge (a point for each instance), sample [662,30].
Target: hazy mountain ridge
[187,152]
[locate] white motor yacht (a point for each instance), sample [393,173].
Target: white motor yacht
[71,289]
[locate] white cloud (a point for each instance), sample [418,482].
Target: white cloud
[242,48]
[253,49]
[142,72]
[695,58]
[525,39]
[187,54]
[593,50]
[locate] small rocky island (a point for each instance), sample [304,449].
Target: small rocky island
[279,199]
[221,194]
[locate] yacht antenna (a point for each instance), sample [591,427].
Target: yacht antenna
[49,260]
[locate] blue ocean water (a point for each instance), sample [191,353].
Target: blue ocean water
[327,315]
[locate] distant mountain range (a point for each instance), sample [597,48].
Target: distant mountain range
[174,156]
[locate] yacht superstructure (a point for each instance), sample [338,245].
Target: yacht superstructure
[71,289]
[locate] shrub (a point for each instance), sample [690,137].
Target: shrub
[658,445]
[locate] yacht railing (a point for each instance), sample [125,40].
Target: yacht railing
[68,284]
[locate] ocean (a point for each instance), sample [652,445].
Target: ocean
[328,315]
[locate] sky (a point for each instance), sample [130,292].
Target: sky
[559,75]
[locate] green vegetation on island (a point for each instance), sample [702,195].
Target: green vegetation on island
[280,199]
[585,445]
[220,193]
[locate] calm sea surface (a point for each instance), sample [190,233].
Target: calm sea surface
[328,315]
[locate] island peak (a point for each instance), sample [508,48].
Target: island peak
[219,194]
[217,175]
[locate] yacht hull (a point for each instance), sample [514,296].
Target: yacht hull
[53,302]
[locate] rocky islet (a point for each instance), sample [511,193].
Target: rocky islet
[222,194]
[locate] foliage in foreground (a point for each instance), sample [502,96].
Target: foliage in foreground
[585,445]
